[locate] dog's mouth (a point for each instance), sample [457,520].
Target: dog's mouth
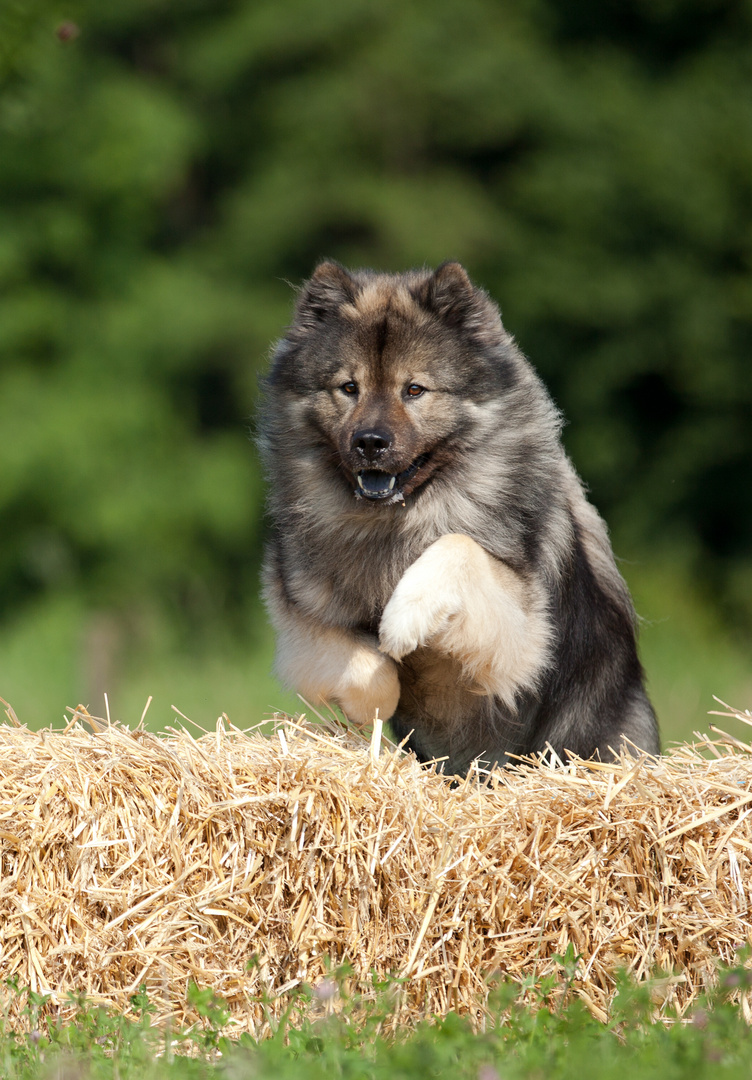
[374,484]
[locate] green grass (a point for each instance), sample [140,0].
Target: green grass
[46,666]
[528,1036]
[689,654]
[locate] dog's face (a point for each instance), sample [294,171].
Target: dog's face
[385,374]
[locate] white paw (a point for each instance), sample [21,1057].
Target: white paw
[421,606]
[369,682]
[463,603]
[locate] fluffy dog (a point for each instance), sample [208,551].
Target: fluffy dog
[433,555]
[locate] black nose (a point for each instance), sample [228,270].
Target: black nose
[370,444]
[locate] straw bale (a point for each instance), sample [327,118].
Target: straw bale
[132,859]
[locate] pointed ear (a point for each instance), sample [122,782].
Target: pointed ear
[449,293]
[325,292]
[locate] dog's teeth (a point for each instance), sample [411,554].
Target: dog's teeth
[392,482]
[360,482]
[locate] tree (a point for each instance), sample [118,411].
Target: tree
[166,170]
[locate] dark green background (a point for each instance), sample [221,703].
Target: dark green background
[168,169]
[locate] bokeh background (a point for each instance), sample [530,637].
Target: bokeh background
[169,170]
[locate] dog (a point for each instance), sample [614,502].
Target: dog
[433,555]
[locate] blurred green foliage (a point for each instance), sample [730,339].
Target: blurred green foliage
[166,169]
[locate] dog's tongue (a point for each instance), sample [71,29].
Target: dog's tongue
[376,485]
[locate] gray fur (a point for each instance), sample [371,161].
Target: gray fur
[483,440]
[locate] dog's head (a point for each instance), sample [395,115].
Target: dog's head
[386,375]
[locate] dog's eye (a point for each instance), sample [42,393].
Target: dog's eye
[414,390]
[349,387]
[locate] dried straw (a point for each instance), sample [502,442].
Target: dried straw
[132,859]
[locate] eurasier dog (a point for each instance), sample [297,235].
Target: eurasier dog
[433,553]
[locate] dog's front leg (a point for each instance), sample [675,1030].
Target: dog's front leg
[463,602]
[326,664]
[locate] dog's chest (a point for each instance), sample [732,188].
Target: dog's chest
[347,580]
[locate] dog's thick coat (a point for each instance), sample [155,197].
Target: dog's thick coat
[433,554]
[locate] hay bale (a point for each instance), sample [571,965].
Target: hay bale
[132,859]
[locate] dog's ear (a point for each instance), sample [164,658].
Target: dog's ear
[450,294]
[325,292]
